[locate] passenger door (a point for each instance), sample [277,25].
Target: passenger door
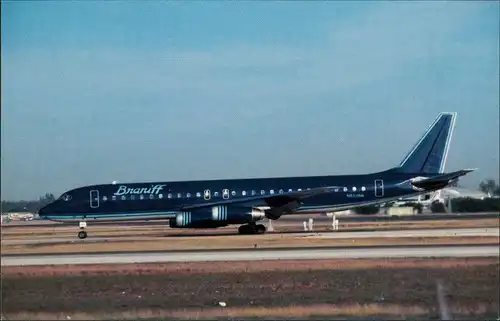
[379,188]
[94,199]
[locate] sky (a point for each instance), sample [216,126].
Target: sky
[94,92]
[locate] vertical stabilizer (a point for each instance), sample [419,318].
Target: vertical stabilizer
[430,152]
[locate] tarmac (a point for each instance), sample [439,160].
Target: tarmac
[457,232]
[279,254]
[244,255]
[390,251]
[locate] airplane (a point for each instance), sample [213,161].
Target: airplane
[206,204]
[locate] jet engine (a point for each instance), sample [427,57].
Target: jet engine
[217,216]
[197,219]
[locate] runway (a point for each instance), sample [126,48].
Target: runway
[457,232]
[253,255]
[479,231]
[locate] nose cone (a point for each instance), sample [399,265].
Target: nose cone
[45,211]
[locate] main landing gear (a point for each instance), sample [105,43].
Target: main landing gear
[252,229]
[82,234]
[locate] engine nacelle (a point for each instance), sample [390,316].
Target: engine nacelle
[236,215]
[198,219]
[217,216]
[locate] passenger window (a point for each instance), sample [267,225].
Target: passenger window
[354,188]
[179,195]
[281,191]
[216,194]
[290,190]
[160,196]
[124,197]
[345,189]
[188,195]
[141,197]
[169,195]
[104,198]
[113,198]
[363,188]
[262,192]
[253,193]
[244,193]
[132,197]
[198,194]
[272,191]
[151,196]
[233,193]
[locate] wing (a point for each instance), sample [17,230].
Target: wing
[284,202]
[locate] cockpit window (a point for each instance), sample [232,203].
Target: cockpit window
[65,197]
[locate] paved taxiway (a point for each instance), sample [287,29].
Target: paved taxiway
[239,255]
[456,232]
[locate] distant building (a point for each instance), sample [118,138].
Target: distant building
[443,196]
[20,216]
[457,192]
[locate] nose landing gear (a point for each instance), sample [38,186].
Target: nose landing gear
[82,234]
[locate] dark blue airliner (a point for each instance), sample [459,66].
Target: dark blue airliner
[217,203]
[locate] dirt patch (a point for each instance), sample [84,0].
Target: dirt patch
[231,242]
[189,268]
[253,289]
[313,312]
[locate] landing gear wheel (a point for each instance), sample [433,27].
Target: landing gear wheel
[82,234]
[260,229]
[252,229]
[244,229]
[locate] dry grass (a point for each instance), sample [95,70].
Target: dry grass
[234,242]
[329,289]
[333,311]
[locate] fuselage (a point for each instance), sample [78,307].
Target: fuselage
[217,203]
[162,200]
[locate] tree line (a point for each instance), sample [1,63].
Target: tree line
[27,206]
[490,187]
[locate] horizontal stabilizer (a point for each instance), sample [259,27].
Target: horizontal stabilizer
[440,180]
